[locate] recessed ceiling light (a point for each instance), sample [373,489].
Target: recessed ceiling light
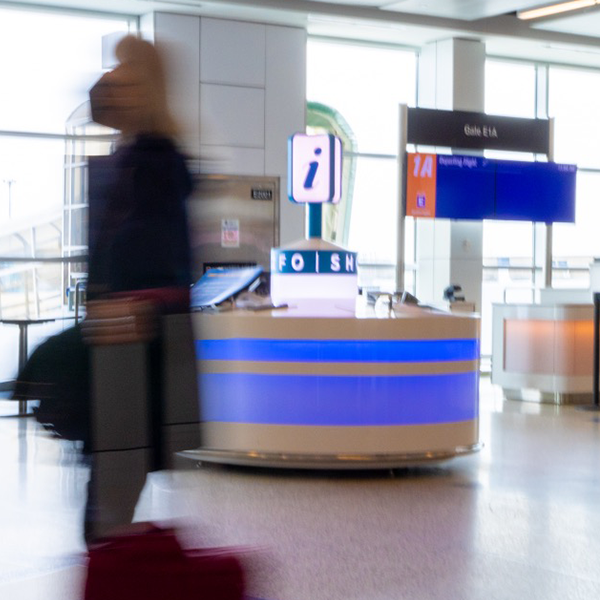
[555,9]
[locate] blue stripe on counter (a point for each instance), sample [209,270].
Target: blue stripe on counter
[338,350]
[339,400]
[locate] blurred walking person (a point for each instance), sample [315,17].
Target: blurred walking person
[139,273]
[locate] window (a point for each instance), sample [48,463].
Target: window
[48,61]
[572,102]
[365,85]
[510,88]
[508,246]
[570,95]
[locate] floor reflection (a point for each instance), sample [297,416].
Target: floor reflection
[519,519]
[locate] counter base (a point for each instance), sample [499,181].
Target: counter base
[534,395]
[326,461]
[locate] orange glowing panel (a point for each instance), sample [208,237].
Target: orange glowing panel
[421,176]
[574,347]
[548,347]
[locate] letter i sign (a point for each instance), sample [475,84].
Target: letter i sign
[421,185]
[314,168]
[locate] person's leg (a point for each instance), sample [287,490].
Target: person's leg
[121,435]
[116,482]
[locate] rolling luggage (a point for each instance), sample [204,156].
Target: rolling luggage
[152,565]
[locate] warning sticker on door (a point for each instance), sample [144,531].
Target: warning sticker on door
[230,233]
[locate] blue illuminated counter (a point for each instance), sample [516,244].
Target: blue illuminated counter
[324,388]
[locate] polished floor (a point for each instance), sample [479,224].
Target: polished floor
[519,520]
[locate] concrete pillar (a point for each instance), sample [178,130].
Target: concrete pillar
[451,77]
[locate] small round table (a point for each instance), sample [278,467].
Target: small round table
[23,325]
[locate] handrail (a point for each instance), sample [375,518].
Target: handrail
[92,137]
[49,259]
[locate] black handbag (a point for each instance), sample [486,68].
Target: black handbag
[57,374]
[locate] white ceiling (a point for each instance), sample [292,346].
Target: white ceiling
[572,40]
[587,23]
[458,9]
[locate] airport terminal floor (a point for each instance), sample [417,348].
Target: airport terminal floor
[520,519]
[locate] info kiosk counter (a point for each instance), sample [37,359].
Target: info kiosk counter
[319,387]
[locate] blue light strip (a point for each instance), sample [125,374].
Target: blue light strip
[339,400]
[365,351]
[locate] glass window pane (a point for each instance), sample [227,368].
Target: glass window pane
[374,211]
[366,85]
[31,176]
[573,102]
[573,97]
[47,63]
[373,222]
[576,245]
[507,272]
[512,240]
[510,89]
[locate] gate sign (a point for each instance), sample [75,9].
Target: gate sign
[461,129]
[314,168]
[421,183]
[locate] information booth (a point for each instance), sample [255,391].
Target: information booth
[331,382]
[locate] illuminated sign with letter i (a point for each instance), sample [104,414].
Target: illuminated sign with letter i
[314,168]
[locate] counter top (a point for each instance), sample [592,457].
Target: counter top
[339,322]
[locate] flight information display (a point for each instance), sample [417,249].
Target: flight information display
[470,187]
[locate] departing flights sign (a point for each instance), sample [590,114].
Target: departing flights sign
[470,187]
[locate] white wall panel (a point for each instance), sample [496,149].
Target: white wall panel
[232,52]
[239,91]
[178,37]
[468,274]
[236,116]
[285,92]
[232,160]
[467,240]
[425,280]
[285,114]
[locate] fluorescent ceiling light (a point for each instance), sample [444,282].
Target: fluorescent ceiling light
[555,9]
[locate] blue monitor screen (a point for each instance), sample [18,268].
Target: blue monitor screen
[464,187]
[542,192]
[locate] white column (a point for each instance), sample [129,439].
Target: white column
[451,77]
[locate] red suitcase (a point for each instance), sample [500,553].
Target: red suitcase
[152,565]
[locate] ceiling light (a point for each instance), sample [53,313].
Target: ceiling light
[555,9]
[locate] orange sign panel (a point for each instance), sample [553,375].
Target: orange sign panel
[421,185]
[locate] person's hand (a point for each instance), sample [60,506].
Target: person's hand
[119,321]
